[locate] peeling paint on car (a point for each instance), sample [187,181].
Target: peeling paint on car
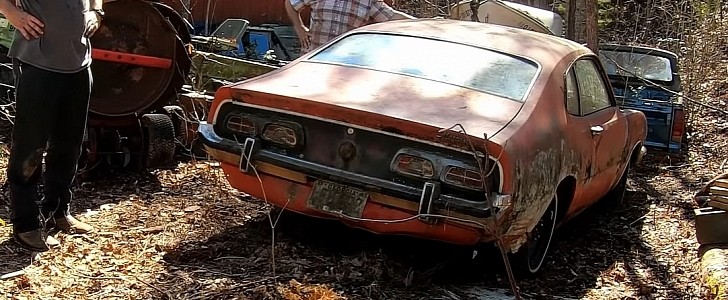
[536,187]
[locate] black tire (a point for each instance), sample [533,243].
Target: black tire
[159,141]
[177,115]
[530,258]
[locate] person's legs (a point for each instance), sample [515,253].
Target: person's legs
[64,150]
[35,106]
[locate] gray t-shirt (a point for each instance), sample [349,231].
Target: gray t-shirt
[62,47]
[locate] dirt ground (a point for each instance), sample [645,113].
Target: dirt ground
[185,234]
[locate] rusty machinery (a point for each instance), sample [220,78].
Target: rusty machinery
[140,64]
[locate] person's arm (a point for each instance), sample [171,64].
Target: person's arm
[400,15]
[93,19]
[381,12]
[96,4]
[295,17]
[28,25]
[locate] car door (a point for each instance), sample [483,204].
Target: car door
[581,141]
[607,125]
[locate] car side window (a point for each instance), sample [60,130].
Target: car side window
[572,94]
[593,93]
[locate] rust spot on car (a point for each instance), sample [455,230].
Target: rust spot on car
[292,191]
[452,140]
[392,130]
[537,187]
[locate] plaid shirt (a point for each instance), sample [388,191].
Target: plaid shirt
[331,18]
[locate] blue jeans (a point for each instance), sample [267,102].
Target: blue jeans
[51,114]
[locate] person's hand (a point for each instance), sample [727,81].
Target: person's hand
[29,26]
[303,36]
[92,23]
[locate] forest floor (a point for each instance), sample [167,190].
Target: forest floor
[186,234]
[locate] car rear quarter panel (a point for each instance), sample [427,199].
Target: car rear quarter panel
[637,128]
[546,148]
[543,150]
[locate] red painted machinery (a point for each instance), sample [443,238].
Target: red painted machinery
[140,64]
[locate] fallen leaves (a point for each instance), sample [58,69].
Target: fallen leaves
[187,234]
[298,291]
[192,208]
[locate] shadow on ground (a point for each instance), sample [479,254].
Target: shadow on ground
[367,266]
[362,265]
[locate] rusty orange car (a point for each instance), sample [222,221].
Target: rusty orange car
[454,131]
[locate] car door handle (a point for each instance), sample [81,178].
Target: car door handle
[597,129]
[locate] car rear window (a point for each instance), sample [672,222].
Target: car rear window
[630,64]
[462,65]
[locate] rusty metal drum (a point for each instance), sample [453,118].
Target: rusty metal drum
[139,60]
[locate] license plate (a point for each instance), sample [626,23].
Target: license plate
[339,199]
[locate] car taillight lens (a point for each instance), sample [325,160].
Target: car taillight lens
[678,126]
[414,166]
[462,177]
[241,124]
[280,134]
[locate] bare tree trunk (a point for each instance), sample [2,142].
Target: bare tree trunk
[592,37]
[571,20]
[582,23]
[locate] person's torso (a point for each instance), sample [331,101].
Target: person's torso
[62,47]
[330,18]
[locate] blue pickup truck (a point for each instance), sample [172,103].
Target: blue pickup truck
[648,79]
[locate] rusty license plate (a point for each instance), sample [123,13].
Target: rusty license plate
[339,199]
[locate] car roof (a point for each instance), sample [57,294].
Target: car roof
[496,37]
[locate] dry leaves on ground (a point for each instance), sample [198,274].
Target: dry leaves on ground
[186,234]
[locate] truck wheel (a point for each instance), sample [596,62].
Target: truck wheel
[530,257]
[159,141]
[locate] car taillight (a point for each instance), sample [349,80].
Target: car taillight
[678,126]
[466,178]
[280,134]
[414,166]
[240,124]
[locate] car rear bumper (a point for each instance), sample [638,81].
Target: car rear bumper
[382,213]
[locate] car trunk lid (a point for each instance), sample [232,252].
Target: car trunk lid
[386,101]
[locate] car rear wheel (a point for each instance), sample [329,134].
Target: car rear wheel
[533,253]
